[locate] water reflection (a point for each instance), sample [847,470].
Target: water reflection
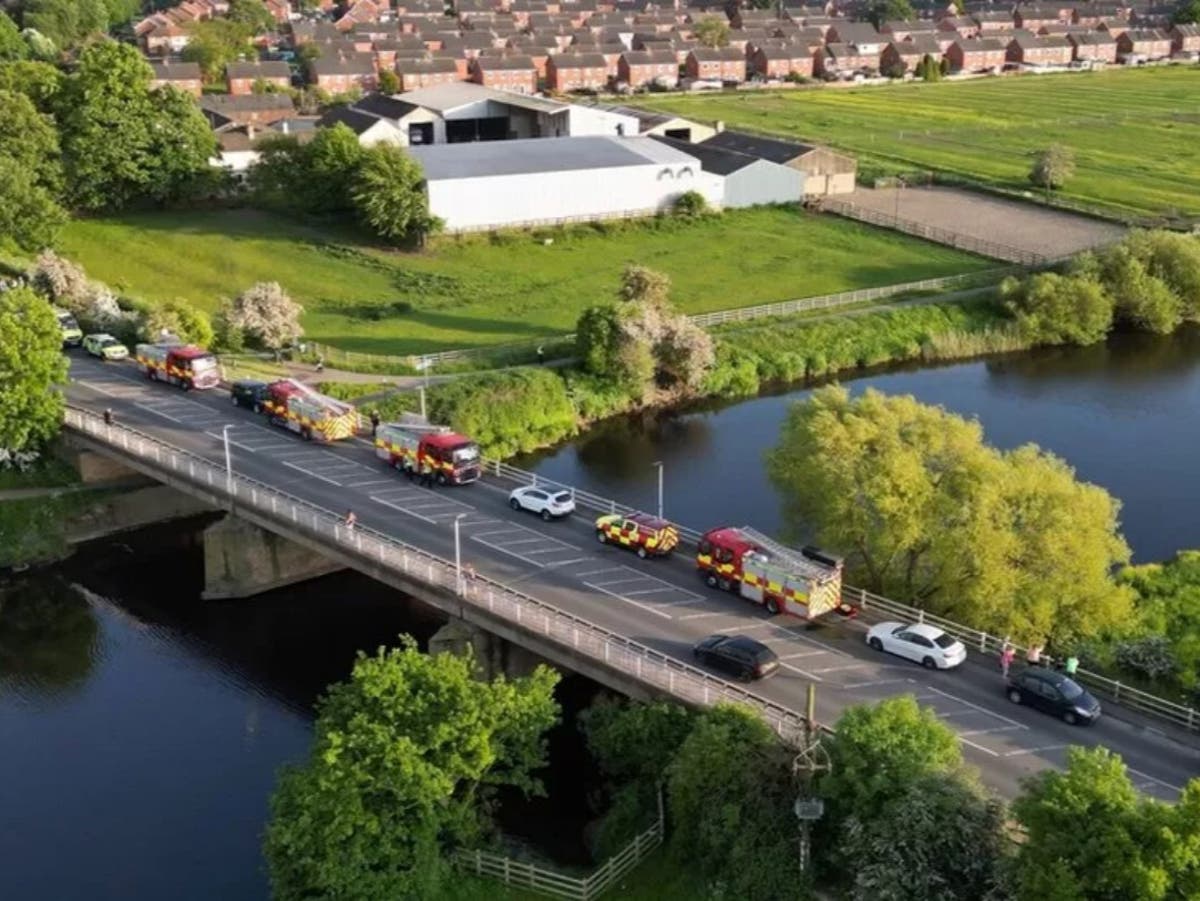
[49,638]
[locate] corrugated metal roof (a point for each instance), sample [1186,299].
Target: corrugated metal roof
[528,157]
[445,97]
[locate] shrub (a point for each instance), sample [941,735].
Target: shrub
[180,319]
[1058,309]
[1149,656]
[690,204]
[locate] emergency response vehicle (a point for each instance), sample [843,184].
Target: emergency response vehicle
[184,365]
[806,583]
[310,414]
[72,334]
[648,535]
[414,441]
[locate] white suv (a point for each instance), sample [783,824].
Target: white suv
[546,503]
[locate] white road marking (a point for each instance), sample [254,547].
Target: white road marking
[838,669]
[310,473]
[1150,778]
[991,731]
[702,615]
[380,500]
[620,597]
[150,409]
[1020,751]
[807,675]
[854,685]
[596,572]
[560,563]
[372,482]
[946,694]
[801,654]
[972,744]
[622,581]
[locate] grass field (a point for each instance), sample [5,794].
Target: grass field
[478,291]
[1135,133]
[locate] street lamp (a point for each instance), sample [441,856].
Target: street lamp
[659,465]
[458,579]
[228,459]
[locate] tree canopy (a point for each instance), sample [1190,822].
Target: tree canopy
[711,31]
[389,194]
[214,43]
[1187,13]
[926,512]
[1057,309]
[1053,167]
[12,45]
[38,81]
[881,11]
[30,216]
[266,314]
[32,366]
[404,751]
[179,318]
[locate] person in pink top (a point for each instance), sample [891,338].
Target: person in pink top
[1007,653]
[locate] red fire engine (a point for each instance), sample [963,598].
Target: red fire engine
[309,413]
[806,583]
[184,365]
[406,445]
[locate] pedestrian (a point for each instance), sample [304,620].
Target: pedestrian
[541,354]
[351,519]
[1033,656]
[320,363]
[1071,665]
[426,474]
[107,416]
[1007,653]
[374,423]
[470,572]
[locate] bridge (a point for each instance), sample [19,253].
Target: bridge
[552,590]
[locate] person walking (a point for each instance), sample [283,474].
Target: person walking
[107,416]
[426,474]
[374,423]
[1007,653]
[541,354]
[1071,664]
[351,519]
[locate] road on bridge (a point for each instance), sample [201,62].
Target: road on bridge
[661,603]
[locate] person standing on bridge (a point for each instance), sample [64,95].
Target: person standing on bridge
[1007,653]
[1033,656]
[374,423]
[107,416]
[351,519]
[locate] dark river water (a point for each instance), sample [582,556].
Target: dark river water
[141,729]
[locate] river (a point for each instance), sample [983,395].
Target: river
[141,729]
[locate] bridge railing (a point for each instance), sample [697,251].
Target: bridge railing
[532,615]
[878,608]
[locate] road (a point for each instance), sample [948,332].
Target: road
[661,603]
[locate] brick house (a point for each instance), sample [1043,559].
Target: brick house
[638,68]
[716,64]
[1033,17]
[1145,43]
[863,35]
[246,109]
[165,38]
[779,59]
[1098,46]
[241,76]
[1039,50]
[833,59]
[993,23]
[339,74]
[424,73]
[185,76]
[1185,38]
[908,54]
[903,29]
[576,72]
[976,55]
[963,26]
[509,73]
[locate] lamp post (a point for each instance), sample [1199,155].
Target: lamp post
[458,580]
[659,465]
[228,459]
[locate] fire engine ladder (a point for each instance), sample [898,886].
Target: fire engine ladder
[317,397]
[793,560]
[416,423]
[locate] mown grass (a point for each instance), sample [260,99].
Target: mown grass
[1134,133]
[488,290]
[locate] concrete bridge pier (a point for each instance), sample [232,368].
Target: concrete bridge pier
[493,655]
[242,560]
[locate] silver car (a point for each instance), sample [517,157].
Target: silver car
[546,502]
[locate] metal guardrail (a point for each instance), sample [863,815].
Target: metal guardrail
[871,604]
[571,632]
[559,885]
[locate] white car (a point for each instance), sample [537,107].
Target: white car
[546,503]
[927,645]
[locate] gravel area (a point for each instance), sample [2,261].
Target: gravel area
[989,218]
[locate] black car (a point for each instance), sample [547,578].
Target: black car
[1055,693]
[737,655]
[248,393]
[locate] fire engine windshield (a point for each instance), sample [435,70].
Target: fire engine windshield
[467,453]
[203,364]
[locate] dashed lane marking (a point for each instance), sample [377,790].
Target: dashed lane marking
[150,409]
[638,604]
[397,507]
[309,472]
[946,694]
[972,744]
[851,686]
[991,731]
[804,673]
[1151,779]
[702,615]
[801,654]
[1019,751]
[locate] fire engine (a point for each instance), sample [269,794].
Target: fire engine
[413,441]
[312,415]
[184,365]
[650,536]
[805,583]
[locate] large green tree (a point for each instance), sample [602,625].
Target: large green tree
[1053,167]
[30,140]
[404,755]
[1062,309]
[40,82]
[331,164]
[12,45]
[389,194]
[926,512]
[66,22]
[214,43]
[1168,621]
[253,15]
[124,141]
[881,11]
[1091,836]
[30,216]
[32,366]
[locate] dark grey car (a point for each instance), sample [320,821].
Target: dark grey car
[738,655]
[1054,693]
[248,393]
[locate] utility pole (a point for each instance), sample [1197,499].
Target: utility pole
[659,465]
[812,759]
[228,462]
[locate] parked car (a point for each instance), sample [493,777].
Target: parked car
[542,501]
[646,534]
[248,393]
[737,655]
[1054,693]
[106,347]
[927,645]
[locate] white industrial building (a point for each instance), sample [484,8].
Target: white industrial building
[497,184]
[746,180]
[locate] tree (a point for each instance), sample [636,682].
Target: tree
[1175,260]
[123,140]
[1053,167]
[644,287]
[1165,642]
[30,217]
[32,366]
[12,45]
[265,313]
[276,178]
[1187,13]
[404,753]
[38,81]
[253,15]
[928,69]
[389,194]
[711,32]
[331,162]
[1140,299]
[927,513]
[30,140]
[730,797]
[684,353]
[389,82]
[1058,309]
[178,318]
[881,11]
[690,205]
[945,822]
[64,283]
[214,43]
[1092,837]
[66,22]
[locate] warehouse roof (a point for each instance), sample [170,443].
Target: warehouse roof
[716,160]
[528,157]
[442,98]
[754,145]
